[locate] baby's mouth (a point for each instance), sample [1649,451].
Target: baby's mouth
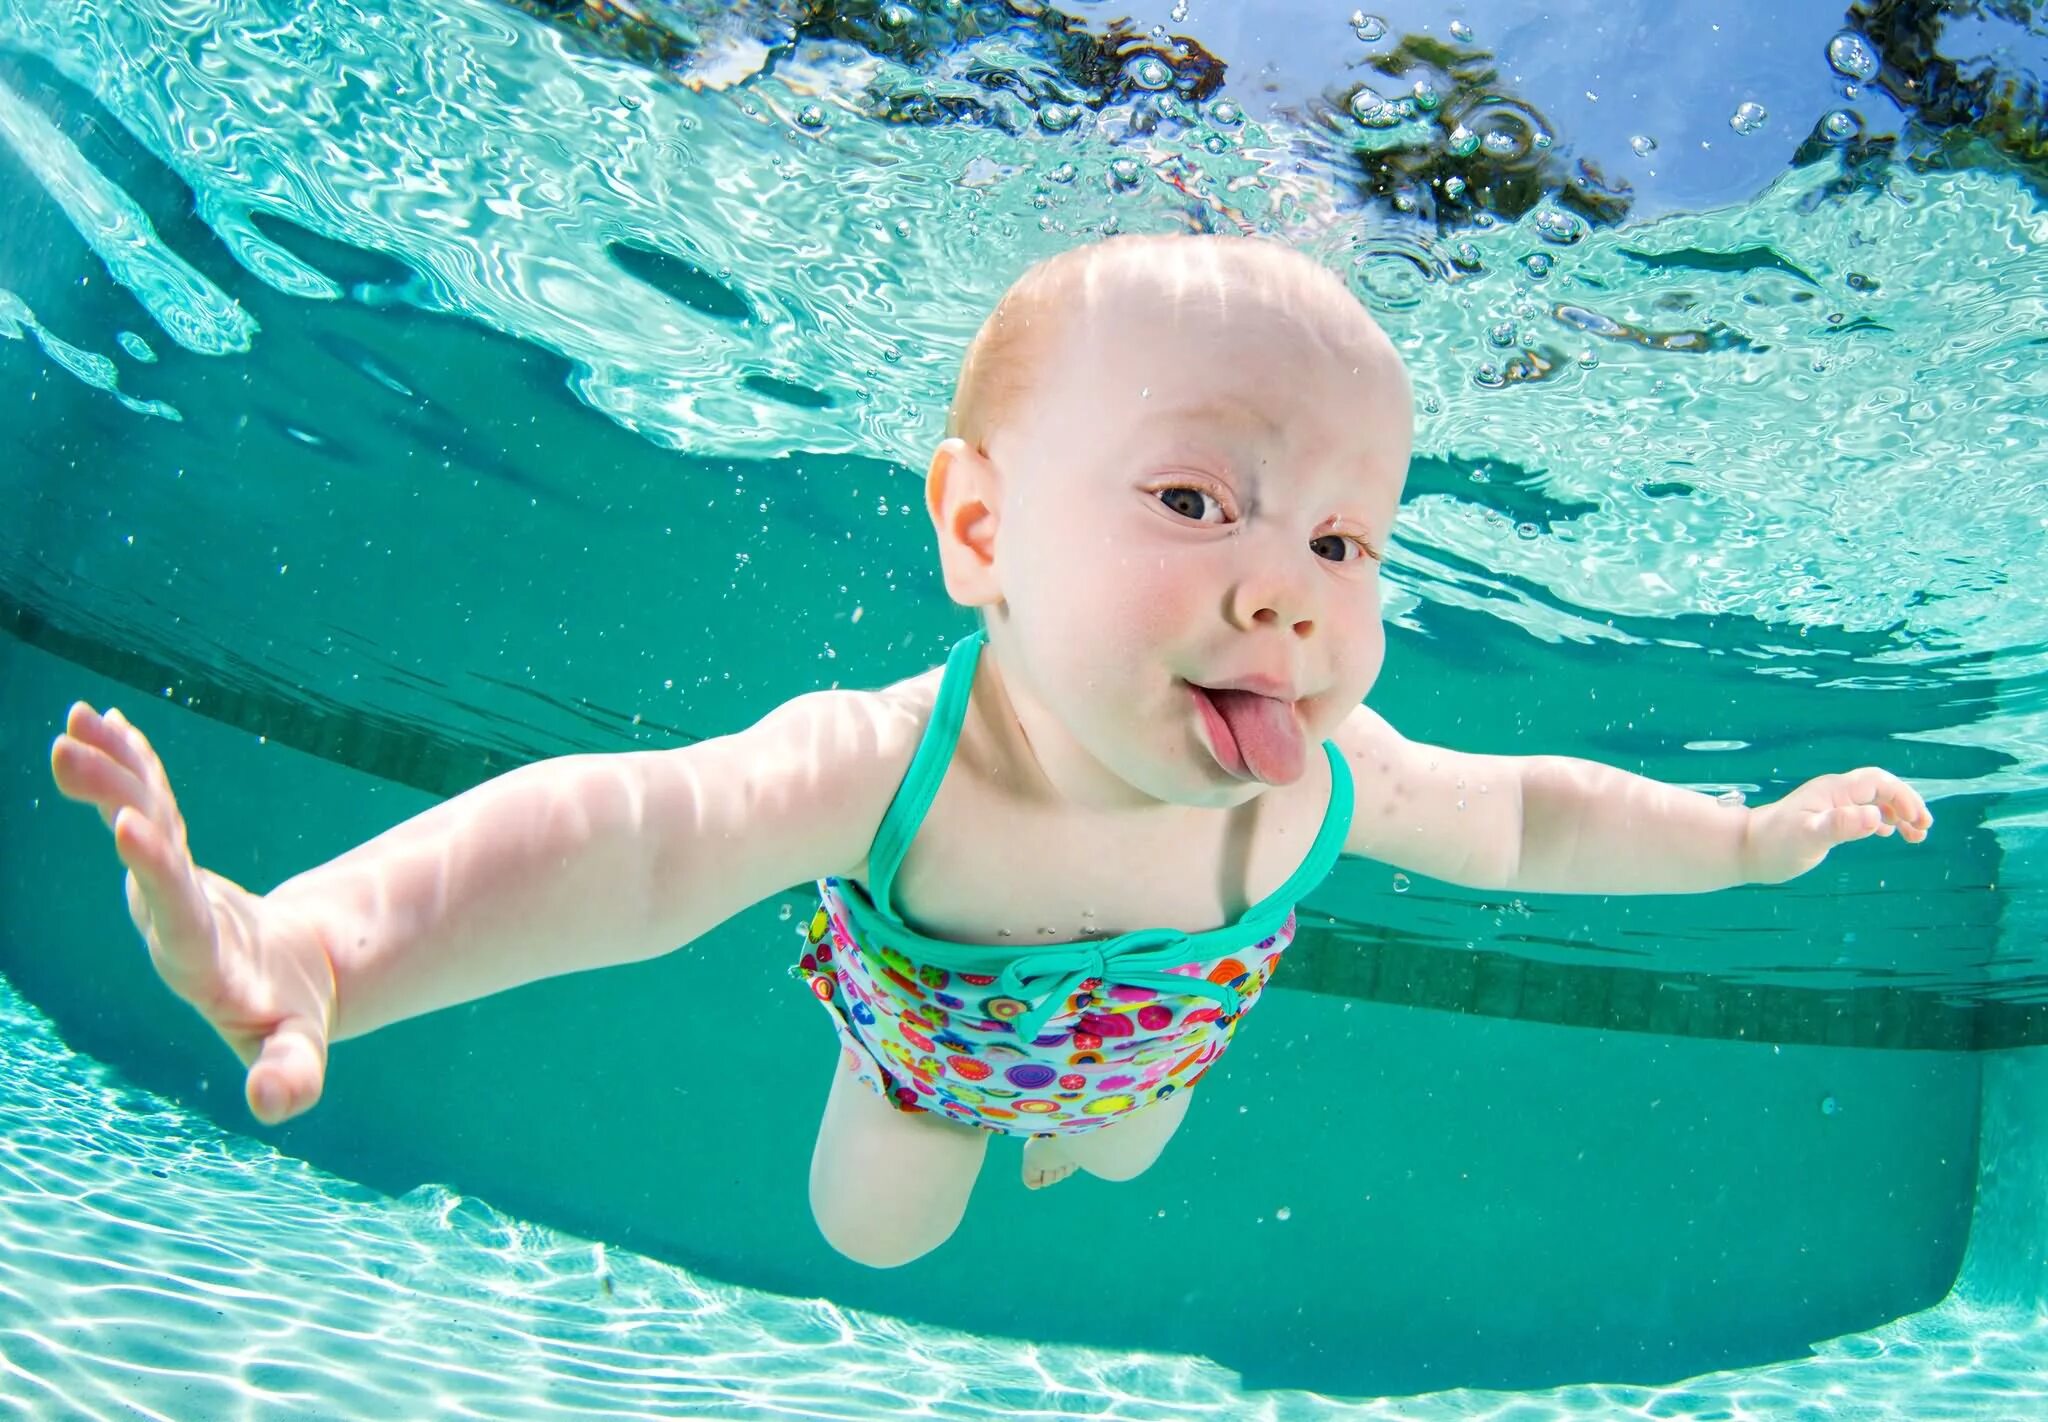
[1252,736]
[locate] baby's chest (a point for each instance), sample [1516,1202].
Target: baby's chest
[986,873]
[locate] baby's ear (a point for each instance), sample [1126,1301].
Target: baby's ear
[962,495]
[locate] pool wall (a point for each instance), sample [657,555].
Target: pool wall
[2006,1264]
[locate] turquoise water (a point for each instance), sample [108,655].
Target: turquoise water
[398,393]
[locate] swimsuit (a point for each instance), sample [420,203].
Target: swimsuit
[1050,1040]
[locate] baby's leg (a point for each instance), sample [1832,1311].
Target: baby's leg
[1120,1152]
[886,1185]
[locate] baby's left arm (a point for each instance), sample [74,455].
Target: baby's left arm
[1558,825]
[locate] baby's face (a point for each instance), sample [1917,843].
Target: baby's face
[1187,549]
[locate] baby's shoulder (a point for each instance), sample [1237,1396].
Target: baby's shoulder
[851,747]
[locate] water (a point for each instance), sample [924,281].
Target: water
[398,393]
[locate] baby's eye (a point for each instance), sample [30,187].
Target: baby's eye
[1193,503]
[1341,548]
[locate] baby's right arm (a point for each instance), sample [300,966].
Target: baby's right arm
[565,864]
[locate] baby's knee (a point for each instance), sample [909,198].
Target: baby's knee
[878,1242]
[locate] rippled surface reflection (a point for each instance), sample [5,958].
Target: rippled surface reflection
[650,344]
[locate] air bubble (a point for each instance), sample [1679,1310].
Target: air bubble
[1502,335]
[1373,111]
[1840,126]
[1283,1213]
[1062,174]
[1463,141]
[1400,882]
[1369,28]
[1058,118]
[1851,57]
[1499,143]
[1124,173]
[1749,118]
[1536,265]
[787,912]
[1149,71]
[1426,96]
[1454,187]
[810,116]
[1488,376]
[1461,32]
[1643,145]
[1527,531]
[1829,1106]
[1558,226]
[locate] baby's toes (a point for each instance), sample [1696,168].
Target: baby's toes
[1045,1163]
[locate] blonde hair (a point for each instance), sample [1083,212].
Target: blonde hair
[1002,361]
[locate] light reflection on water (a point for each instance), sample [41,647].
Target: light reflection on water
[155,1265]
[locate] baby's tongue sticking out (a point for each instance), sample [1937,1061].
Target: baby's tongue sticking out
[1267,732]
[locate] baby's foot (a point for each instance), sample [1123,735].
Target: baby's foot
[1045,1163]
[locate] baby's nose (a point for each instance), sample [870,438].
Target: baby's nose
[1272,604]
[1269,615]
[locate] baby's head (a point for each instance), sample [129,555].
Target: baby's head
[1170,471]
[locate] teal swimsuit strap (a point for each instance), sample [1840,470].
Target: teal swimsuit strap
[927,768]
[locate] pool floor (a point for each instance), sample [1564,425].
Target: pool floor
[153,1265]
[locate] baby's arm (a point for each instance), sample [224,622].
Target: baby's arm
[592,860]
[566,864]
[1560,825]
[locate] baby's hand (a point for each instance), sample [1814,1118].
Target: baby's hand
[263,981]
[1789,836]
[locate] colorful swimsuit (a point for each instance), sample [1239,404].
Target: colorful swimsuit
[1048,1040]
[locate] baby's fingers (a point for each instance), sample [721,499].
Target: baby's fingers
[84,771]
[1847,822]
[287,1074]
[132,748]
[1898,804]
[173,908]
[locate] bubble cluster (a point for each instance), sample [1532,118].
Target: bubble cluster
[1851,57]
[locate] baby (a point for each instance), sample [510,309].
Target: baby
[1054,873]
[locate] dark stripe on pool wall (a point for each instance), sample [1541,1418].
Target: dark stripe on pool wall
[396,748]
[1372,965]
[1365,962]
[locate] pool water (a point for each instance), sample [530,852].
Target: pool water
[396,393]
